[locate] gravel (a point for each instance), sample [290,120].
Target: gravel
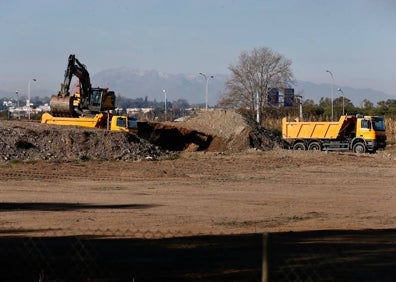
[22,140]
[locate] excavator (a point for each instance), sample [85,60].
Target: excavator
[88,106]
[88,101]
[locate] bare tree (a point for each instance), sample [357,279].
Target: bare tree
[254,74]
[366,104]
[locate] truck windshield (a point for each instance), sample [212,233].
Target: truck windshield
[121,122]
[132,122]
[378,123]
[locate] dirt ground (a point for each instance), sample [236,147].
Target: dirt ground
[200,193]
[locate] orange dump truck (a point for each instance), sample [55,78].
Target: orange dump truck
[358,133]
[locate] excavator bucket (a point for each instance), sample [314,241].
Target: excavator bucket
[61,106]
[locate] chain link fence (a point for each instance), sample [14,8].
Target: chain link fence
[368,255]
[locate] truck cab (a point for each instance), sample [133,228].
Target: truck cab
[124,123]
[371,130]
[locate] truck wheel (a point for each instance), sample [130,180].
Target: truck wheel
[314,146]
[359,148]
[299,147]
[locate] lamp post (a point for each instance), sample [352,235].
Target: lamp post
[342,93]
[165,103]
[28,100]
[300,98]
[19,113]
[258,99]
[206,89]
[332,94]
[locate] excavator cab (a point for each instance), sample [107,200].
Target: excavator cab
[101,100]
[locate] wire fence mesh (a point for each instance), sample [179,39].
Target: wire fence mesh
[368,255]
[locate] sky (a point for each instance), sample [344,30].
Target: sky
[354,39]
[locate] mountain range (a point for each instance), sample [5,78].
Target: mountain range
[133,83]
[136,83]
[314,91]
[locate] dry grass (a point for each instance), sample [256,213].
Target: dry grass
[390,131]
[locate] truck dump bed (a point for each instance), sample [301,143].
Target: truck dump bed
[315,130]
[92,122]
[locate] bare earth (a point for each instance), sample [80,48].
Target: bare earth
[200,193]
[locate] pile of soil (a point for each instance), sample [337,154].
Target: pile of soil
[211,131]
[231,131]
[21,140]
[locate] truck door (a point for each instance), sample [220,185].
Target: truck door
[364,130]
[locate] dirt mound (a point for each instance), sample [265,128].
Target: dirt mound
[230,131]
[35,141]
[211,131]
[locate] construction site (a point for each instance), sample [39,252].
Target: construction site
[216,177]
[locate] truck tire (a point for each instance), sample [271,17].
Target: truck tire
[314,146]
[299,146]
[359,148]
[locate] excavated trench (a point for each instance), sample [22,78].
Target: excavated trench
[174,138]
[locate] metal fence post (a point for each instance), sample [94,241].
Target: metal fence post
[264,266]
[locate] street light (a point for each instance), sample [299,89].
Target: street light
[300,101]
[28,100]
[332,94]
[165,102]
[258,99]
[19,113]
[342,93]
[206,90]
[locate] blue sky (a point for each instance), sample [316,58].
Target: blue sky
[355,39]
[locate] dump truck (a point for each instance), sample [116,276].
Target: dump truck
[358,133]
[102,120]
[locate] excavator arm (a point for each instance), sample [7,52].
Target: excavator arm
[75,67]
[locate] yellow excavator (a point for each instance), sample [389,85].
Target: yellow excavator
[87,101]
[87,106]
